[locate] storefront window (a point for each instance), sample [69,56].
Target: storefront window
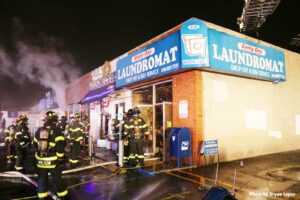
[143,96]
[164,92]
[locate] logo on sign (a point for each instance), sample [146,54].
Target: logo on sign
[194,44]
[184,145]
[173,138]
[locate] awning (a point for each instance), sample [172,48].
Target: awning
[97,94]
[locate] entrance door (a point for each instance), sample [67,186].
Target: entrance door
[163,123]
[147,115]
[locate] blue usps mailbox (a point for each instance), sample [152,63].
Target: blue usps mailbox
[180,144]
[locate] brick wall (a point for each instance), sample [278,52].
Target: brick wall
[188,86]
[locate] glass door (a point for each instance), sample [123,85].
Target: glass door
[163,123]
[147,115]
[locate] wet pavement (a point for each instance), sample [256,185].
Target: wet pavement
[274,176]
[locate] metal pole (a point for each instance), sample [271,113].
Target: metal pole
[217,171]
[233,184]
[90,145]
[121,152]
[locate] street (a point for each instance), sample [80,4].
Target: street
[273,176]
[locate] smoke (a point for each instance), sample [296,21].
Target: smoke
[41,63]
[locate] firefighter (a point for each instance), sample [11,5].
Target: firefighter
[63,125]
[22,138]
[75,140]
[136,129]
[49,144]
[86,130]
[10,141]
[125,137]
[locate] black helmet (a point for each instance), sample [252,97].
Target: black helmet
[22,118]
[63,118]
[136,111]
[51,117]
[129,113]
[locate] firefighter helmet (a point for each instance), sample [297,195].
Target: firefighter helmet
[63,118]
[129,113]
[22,118]
[136,111]
[51,117]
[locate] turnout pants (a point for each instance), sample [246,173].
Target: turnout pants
[20,157]
[136,151]
[43,183]
[75,149]
[10,150]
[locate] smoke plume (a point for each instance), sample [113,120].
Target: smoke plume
[40,63]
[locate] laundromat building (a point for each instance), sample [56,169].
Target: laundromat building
[221,84]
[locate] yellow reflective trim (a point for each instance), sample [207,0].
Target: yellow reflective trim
[46,166]
[73,161]
[7,131]
[126,126]
[141,157]
[77,129]
[46,158]
[18,133]
[131,157]
[59,138]
[43,195]
[61,194]
[52,144]
[80,138]
[6,138]
[60,154]
[35,140]
[18,168]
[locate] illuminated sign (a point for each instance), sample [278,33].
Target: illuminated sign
[236,55]
[159,58]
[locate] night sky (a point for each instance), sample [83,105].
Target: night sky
[95,31]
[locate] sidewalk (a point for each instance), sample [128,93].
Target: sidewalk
[275,176]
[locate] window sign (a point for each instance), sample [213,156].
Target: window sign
[183,109]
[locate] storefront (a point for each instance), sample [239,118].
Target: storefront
[96,101]
[220,84]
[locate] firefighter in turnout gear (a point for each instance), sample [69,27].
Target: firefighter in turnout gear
[10,141]
[63,125]
[136,129]
[86,130]
[125,137]
[22,138]
[49,144]
[76,137]
[115,128]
